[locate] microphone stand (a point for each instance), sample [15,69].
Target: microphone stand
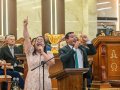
[43,64]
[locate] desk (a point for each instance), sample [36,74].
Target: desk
[107,59]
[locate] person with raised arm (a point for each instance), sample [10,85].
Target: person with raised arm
[35,54]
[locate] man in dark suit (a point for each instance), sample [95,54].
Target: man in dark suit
[74,54]
[7,53]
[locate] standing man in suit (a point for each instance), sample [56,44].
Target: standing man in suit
[7,53]
[74,54]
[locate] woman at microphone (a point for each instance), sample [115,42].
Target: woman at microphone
[35,54]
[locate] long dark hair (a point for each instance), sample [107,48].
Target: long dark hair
[35,50]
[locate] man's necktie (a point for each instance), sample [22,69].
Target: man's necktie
[76,60]
[12,51]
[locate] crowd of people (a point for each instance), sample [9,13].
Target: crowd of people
[72,55]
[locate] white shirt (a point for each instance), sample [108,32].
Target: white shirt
[79,56]
[11,50]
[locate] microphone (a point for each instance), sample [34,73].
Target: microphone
[42,62]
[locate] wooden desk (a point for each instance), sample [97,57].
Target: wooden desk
[107,60]
[70,79]
[55,68]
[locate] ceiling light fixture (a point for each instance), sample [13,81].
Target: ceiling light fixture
[100,9]
[101,3]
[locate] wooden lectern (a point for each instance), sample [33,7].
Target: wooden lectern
[106,66]
[70,79]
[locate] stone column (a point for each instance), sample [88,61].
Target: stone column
[53,17]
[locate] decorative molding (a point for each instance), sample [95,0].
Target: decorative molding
[106,39]
[107,18]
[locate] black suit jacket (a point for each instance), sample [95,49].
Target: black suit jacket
[5,54]
[67,55]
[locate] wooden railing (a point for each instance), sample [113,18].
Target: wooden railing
[5,77]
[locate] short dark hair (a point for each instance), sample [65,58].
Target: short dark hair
[67,35]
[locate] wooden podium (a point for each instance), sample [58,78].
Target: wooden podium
[107,60]
[70,79]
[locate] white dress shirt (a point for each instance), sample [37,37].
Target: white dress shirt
[11,50]
[79,56]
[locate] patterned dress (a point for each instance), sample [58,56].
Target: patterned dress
[34,79]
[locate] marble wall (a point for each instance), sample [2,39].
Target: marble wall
[81,16]
[73,16]
[32,10]
[92,18]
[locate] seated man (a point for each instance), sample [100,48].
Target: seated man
[7,53]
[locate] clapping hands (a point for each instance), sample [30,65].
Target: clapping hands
[84,38]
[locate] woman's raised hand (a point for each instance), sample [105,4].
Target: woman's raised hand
[25,22]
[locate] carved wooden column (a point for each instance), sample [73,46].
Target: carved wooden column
[53,17]
[8,23]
